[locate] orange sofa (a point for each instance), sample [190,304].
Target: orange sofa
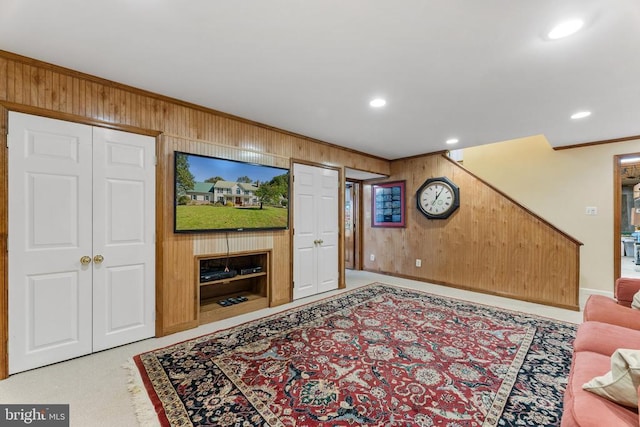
[608,325]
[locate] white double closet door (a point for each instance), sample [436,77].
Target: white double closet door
[316,230]
[81,239]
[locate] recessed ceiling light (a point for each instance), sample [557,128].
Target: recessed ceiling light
[377,102]
[452,141]
[565,29]
[581,115]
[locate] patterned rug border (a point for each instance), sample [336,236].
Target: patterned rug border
[493,416]
[144,408]
[161,410]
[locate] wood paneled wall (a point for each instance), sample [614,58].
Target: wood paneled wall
[35,87]
[490,244]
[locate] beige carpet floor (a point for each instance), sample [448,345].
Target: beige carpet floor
[95,386]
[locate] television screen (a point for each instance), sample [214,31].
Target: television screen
[214,194]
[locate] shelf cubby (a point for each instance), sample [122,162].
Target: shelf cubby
[255,287]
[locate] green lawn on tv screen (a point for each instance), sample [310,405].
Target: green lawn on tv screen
[205,217]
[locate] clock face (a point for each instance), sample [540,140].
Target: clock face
[438,198]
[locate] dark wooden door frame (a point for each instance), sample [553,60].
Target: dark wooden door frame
[617,211]
[357,222]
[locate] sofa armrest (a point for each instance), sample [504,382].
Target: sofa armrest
[625,289]
[604,309]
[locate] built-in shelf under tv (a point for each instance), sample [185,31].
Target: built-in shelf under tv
[214,194]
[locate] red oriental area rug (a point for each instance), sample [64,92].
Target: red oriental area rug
[376,356]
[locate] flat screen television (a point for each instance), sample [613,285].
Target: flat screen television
[215,194]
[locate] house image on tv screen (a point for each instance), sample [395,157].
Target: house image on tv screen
[238,193]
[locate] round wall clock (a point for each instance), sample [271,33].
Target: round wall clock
[438,198]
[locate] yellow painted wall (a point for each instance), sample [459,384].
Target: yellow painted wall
[558,185]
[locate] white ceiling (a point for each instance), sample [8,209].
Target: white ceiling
[480,71]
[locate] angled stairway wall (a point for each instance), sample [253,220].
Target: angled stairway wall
[490,244]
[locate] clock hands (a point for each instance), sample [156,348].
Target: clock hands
[436,198]
[439,193]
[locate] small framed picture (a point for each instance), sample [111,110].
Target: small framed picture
[387,204]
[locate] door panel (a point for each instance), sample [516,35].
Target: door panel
[53,323]
[43,208]
[50,291]
[328,230]
[58,326]
[125,286]
[124,227]
[124,204]
[316,230]
[304,265]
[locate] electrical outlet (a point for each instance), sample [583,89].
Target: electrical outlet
[372,257]
[418,263]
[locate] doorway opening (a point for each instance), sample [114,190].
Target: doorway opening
[352,203]
[353,226]
[626,215]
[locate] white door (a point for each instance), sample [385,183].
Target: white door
[304,232]
[51,227]
[328,229]
[123,235]
[316,227]
[50,291]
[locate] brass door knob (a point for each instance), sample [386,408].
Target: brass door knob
[98,259]
[85,260]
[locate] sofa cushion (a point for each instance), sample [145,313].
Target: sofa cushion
[604,338]
[604,309]
[620,384]
[582,408]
